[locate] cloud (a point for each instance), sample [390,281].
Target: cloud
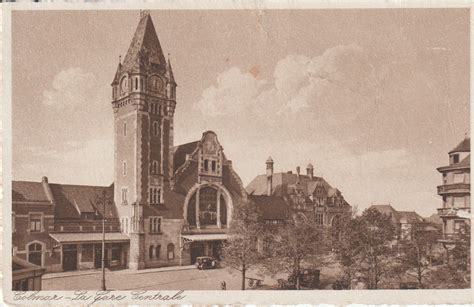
[70,87]
[297,84]
[235,90]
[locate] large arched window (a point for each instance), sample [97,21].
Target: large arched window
[35,253]
[208,206]
[208,213]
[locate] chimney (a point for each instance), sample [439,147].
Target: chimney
[298,174]
[269,175]
[47,189]
[310,171]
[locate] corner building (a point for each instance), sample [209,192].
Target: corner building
[174,202]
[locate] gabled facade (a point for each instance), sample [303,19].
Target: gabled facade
[456,190]
[405,222]
[308,196]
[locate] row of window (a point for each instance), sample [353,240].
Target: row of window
[154,251]
[35,222]
[154,222]
[153,167]
[155,196]
[457,202]
[155,128]
[451,178]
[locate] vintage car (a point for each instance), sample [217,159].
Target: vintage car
[206,262]
[309,279]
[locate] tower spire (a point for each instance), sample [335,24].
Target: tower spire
[145,49]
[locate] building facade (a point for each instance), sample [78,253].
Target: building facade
[307,196]
[168,204]
[174,202]
[59,226]
[455,191]
[406,222]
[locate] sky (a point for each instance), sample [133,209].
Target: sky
[374,99]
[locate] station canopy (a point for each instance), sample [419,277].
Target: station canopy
[89,237]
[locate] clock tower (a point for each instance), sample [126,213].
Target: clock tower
[143,100]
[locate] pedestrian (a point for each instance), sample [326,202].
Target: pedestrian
[223,285]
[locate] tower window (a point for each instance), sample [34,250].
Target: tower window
[136,83]
[206,165]
[124,129]
[154,168]
[155,128]
[124,195]
[124,171]
[213,166]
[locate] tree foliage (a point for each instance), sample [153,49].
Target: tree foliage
[240,252]
[364,247]
[414,254]
[297,245]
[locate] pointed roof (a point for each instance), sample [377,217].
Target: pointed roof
[169,72]
[145,49]
[464,146]
[117,74]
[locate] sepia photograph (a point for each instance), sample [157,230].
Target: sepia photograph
[289,149]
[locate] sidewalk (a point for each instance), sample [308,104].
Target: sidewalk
[124,271]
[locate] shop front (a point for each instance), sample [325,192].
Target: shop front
[82,251]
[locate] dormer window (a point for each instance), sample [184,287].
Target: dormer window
[454,159]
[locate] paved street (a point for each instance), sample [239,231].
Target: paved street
[187,279]
[192,279]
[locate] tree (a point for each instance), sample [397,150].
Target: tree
[365,247]
[415,252]
[297,245]
[240,252]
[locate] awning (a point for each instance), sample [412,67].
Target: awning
[89,237]
[205,237]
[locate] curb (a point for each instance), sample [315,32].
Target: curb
[124,271]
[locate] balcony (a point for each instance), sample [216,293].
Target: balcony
[452,212]
[454,188]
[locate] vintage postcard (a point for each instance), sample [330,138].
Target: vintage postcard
[177,153]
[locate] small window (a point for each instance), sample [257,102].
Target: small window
[206,165]
[124,168]
[155,224]
[213,166]
[455,159]
[155,128]
[170,250]
[155,196]
[154,168]
[150,251]
[36,223]
[124,129]
[124,195]
[319,219]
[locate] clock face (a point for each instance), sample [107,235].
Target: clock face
[124,84]
[155,83]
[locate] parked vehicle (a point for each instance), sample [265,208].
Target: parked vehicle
[409,285]
[206,262]
[309,279]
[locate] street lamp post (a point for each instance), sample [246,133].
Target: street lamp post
[104,200]
[103,288]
